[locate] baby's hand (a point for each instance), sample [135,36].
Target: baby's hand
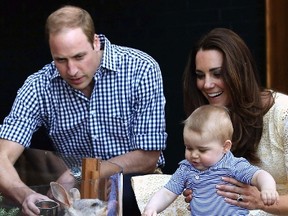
[149,213]
[269,197]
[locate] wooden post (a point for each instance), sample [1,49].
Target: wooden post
[276,43]
[103,185]
[90,178]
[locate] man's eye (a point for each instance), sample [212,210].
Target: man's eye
[79,57]
[60,60]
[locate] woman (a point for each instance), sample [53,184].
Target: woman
[221,71]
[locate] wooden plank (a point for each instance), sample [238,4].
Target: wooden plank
[276,45]
[90,178]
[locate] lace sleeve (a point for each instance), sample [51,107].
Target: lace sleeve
[285,120]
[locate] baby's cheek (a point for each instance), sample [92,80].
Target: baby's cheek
[208,160]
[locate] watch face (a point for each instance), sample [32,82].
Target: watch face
[76,171]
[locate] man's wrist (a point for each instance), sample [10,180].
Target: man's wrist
[76,172]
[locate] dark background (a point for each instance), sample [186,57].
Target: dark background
[165,29]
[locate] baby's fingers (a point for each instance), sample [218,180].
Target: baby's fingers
[270,198]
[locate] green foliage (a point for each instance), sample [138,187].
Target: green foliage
[8,212]
[11,212]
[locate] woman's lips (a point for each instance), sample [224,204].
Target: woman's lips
[216,94]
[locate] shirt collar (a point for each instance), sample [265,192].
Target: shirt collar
[109,58]
[55,73]
[223,163]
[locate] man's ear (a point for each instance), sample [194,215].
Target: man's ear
[227,146]
[96,43]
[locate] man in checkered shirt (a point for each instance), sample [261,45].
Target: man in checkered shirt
[95,99]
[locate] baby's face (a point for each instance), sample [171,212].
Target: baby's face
[202,150]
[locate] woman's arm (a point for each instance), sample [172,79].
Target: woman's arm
[251,197]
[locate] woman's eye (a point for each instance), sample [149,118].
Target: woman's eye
[217,74]
[200,76]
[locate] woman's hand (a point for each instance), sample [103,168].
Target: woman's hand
[187,193]
[249,195]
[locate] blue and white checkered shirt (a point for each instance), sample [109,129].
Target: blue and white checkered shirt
[205,200]
[126,110]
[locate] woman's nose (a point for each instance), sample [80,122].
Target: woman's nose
[209,83]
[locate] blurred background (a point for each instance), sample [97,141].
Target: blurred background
[165,29]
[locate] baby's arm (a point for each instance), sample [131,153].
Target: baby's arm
[160,201]
[267,185]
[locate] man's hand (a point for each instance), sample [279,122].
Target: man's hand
[28,205]
[66,180]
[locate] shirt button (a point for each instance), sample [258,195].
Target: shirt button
[94,137]
[197,177]
[93,112]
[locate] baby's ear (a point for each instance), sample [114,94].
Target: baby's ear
[227,146]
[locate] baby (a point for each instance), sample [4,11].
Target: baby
[207,137]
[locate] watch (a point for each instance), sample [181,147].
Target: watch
[76,173]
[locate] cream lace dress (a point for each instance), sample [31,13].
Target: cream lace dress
[273,148]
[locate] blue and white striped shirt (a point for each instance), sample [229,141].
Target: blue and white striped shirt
[205,200]
[125,112]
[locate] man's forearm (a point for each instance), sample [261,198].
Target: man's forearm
[11,184]
[137,161]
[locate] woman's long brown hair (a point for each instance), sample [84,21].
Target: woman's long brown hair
[239,73]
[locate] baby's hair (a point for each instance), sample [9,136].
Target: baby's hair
[214,120]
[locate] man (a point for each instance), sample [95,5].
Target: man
[95,99]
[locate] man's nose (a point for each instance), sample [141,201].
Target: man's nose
[72,68]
